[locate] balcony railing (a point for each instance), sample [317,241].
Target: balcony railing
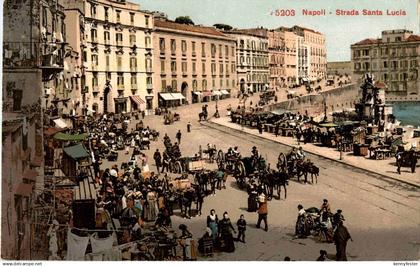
[149,70]
[107,42]
[149,86]
[120,87]
[119,43]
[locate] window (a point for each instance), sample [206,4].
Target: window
[94,58]
[162,66]
[119,38]
[213,83]
[173,66]
[221,83]
[162,45]
[93,10]
[132,18]
[107,60]
[227,69]
[213,50]
[120,79]
[173,46]
[203,68]
[119,61]
[385,64]
[149,65]
[213,68]
[133,80]
[146,18]
[203,49]
[204,85]
[194,84]
[194,67]
[147,42]
[221,68]
[174,85]
[133,63]
[184,67]
[107,36]
[227,83]
[106,13]
[93,35]
[95,80]
[220,51]
[184,47]
[163,85]
[17,100]
[226,51]
[193,48]
[132,39]
[118,15]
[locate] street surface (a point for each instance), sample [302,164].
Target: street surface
[382,216]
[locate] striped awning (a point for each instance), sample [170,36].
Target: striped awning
[137,100]
[207,93]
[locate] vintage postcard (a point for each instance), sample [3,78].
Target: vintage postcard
[156,130]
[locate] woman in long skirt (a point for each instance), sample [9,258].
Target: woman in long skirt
[212,223]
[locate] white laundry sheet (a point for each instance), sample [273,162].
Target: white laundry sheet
[109,255]
[101,244]
[76,246]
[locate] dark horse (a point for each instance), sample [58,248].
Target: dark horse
[202,116]
[275,180]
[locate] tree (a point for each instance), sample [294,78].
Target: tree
[223,26]
[184,20]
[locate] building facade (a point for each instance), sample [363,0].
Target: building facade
[33,49]
[251,58]
[277,51]
[339,68]
[116,52]
[193,63]
[394,60]
[312,55]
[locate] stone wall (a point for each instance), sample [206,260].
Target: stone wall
[337,99]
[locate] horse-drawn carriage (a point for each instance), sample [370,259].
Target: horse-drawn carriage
[170,118]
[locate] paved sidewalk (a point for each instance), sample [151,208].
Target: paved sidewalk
[385,168]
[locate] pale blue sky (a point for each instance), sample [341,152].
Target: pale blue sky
[340,31]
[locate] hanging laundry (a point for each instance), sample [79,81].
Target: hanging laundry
[101,244]
[76,246]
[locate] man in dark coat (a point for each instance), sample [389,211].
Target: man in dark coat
[341,236]
[158,159]
[178,136]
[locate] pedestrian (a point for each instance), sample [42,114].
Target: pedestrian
[276,130]
[199,201]
[262,211]
[158,159]
[225,232]
[165,162]
[260,127]
[178,136]
[341,236]
[241,223]
[212,223]
[143,114]
[189,127]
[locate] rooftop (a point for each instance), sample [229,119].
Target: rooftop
[159,23]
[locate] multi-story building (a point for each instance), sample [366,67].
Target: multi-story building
[339,68]
[277,50]
[393,60]
[33,52]
[116,52]
[291,57]
[192,63]
[312,55]
[251,58]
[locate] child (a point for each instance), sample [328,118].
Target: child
[241,223]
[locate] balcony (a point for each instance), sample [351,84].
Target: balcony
[149,86]
[107,42]
[119,43]
[149,70]
[184,74]
[194,54]
[120,87]
[132,44]
[94,40]
[14,58]
[133,88]
[173,72]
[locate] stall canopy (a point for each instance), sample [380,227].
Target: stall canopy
[197,93]
[217,93]
[60,123]
[224,92]
[279,111]
[328,125]
[76,152]
[178,96]
[69,137]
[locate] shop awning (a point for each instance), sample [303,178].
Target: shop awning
[24,190]
[197,93]
[167,96]
[69,137]
[30,174]
[178,96]
[224,92]
[137,100]
[216,93]
[76,152]
[60,123]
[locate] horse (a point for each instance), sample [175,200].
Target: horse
[314,171]
[275,180]
[202,116]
